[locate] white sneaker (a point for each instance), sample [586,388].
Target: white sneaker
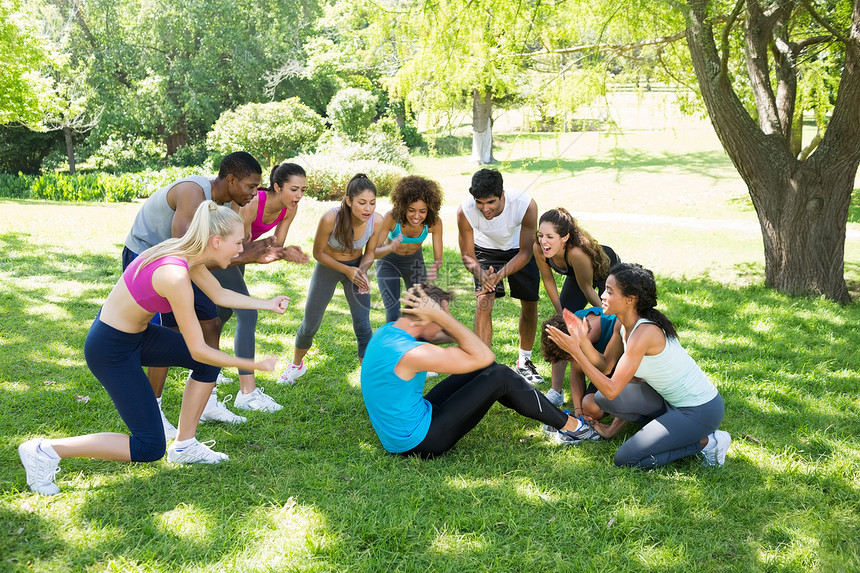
[716,456]
[223,379]
[256,400]
[555,398]
[40,467]
[216,411]
[196,453]
[169,429]
[292,373]
[431,374]
[528,371]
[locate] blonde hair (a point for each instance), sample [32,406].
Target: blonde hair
[209,220]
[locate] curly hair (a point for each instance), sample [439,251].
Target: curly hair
[414,188]
[552,353]
[438,294]
[635,280]
[565,224]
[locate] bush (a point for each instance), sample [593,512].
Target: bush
[351,111]
[118,155]
[23,150]
[271,131]
[329,174]
[90,186]
[376,146]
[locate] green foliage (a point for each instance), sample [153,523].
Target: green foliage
[90,186]
[375,145]
[23,150]
[272,131]
[351,111]
[329,174]
[127,154]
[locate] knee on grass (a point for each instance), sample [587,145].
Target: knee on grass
[148,448]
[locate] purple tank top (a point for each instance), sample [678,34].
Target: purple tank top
[258,227]
[140,285]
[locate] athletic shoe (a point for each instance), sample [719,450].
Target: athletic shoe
[716,456]
[216,411]
[40,467]
[528,371]
[292,373]
[431,374]
[169,429]
[555,398]
[196,453]
[256,400]
[223,379]
[572,437]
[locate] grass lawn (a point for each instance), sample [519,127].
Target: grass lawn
[309,488]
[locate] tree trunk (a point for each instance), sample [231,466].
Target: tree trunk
[802,205]
[70,148]
[178,136]
[482,127]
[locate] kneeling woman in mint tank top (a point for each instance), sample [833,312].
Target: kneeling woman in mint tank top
[678,406]
[122,340]
[416,202]
[343,247]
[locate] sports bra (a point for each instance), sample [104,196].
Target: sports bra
[140,283]
[568,271]
[258,227]
[419,239]
[357,244]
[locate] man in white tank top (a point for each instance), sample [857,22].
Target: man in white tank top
[496,232]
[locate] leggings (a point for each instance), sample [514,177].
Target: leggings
[571,297]
[233,278]
[115,358]
[462,400]
[320,291]
[668,433]
[389,270]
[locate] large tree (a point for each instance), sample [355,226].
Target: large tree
[801,195]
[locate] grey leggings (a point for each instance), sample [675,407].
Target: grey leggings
[233,278]
[668,433]
[320,291]
[389,270]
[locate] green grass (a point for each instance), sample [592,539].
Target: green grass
[309,488]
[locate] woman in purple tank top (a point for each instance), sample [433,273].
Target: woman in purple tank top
[122,340]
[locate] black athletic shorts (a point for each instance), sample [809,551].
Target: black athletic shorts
[524,283]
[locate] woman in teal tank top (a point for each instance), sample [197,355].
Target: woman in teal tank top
[415,214]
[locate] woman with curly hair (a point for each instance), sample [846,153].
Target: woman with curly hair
[416,203]
[568,249]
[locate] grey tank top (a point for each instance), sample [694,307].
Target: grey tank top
[153,223]
[356,244]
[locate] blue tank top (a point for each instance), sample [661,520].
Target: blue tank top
[419,239]
[398,412]
[607,325]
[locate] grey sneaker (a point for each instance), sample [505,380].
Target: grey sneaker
[528,371]
[256,400]
[585,433]
[40,467]
[716,456]
[555,398]
[196,453]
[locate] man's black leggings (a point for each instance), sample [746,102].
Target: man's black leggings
[462,400]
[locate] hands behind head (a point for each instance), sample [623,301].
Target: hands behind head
[424,309]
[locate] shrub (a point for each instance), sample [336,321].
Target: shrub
[271,131]
[329,174]
[127,155]
[15,186]
[351,111]
[376,146]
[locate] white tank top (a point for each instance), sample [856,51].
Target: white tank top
[673,374]
[502,232]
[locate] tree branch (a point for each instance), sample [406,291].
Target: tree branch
[620,48]
[824,23]
[724,40]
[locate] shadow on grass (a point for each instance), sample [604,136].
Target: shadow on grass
[710,164]
[310,487]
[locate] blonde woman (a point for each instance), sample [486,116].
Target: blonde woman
[122,340]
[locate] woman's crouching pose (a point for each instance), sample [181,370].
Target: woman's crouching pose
[122,340]
[678,406]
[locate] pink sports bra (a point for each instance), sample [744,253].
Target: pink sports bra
[258,227]
[140,285]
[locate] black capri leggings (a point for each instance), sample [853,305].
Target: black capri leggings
[462,400]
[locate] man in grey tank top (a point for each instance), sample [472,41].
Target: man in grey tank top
[167,213]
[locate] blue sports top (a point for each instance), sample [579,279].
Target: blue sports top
[397,409]
[607,325]
[419,239]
